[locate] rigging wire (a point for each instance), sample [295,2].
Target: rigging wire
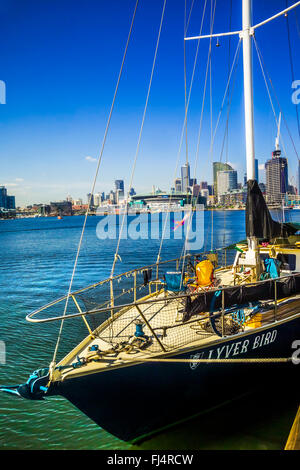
[116,257]
[228,111]
[266,74]
[200,125]
[182,131]
[211,128]
[94,182]
[291,63]
[235,60]
[212,16]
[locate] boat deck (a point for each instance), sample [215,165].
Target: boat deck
[168,333]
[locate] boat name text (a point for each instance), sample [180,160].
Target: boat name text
[237,348]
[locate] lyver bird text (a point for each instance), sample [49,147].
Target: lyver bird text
[241,347]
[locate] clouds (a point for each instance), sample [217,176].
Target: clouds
[90,159]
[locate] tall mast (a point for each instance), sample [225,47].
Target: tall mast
[248,89]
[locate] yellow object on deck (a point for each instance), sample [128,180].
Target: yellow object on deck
[204,273]
[293,442]
[255,321]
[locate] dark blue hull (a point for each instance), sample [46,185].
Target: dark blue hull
[135,400]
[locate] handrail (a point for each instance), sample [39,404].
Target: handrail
[118,276]
[29,317]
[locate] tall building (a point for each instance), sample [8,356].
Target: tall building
[255,174]
[299,177]
[276,178]
[90,197]
[177,184]
[256,169]
[219,166]
[119,187]
[203,185]
[6,202]
[185,177]
[97,199]
[226,181]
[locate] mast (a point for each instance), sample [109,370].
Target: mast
[252,255]
[248,89]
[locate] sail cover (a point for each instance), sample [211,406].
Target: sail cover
[259,222]
[242,295]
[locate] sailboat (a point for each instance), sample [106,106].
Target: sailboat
[178,337]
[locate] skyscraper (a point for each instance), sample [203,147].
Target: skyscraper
[256,169]
[3,196]
[119,186]
[227,181]
[276,178]
[219,166]
[90,197]
[177,184]
[6,202]
[185,177]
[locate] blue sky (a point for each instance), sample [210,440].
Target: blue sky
[60,61]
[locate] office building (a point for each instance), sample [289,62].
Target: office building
[90,199]
[177,184]
[276,178]
[226,181]
[185,177]
[219,166]
[6,202]
[119,187]
[256,169]
[97,199]
[132,192]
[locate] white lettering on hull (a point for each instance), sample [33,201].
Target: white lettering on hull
[237,348]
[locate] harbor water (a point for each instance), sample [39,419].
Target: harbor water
[36,262]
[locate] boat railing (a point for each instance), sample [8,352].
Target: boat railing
[129,289]
[106,297]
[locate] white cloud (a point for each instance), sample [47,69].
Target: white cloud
[91,159]
[19,180]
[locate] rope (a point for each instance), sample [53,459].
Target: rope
[140,135]
[269,78]
[226,90]
[183,129]
[93,186]
[268,90]
[237,361]
[199,135]
[291,63]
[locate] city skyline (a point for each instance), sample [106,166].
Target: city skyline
[53,121]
